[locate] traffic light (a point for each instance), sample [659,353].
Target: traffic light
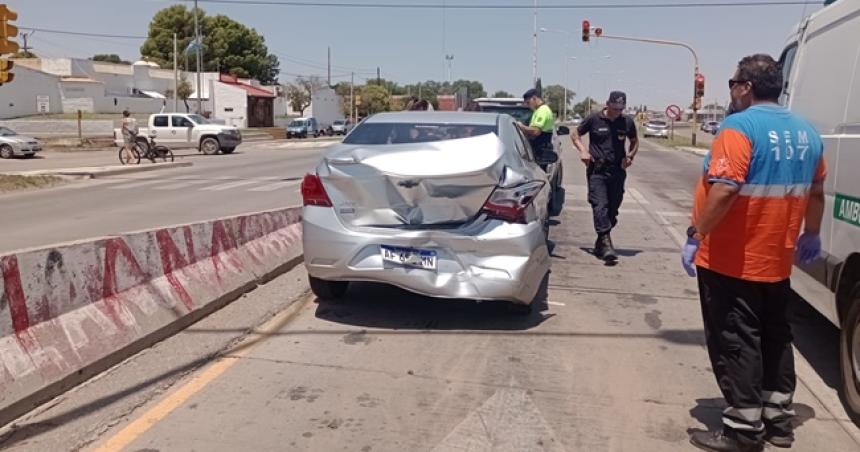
[700,86]
[7,30]
[586,30]
[598,32]
[5,75]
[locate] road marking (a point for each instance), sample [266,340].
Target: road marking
[135,184]
[229,185]
[637,195]
[175,186]
[508,421]
[555,303]
[275,186]
[198,382]
[679,195]
[671,214]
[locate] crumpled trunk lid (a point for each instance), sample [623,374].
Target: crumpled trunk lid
[434,184]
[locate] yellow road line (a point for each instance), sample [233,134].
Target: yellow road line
[156,414]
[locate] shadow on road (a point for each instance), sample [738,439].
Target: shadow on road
[383,306]
[710,413]
[816,339]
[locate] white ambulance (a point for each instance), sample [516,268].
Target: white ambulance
[821,65]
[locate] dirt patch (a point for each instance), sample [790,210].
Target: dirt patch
[12,183]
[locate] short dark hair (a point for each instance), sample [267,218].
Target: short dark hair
[530,93]
[765,75]
[126,113]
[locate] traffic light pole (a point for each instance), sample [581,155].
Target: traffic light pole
[668,43]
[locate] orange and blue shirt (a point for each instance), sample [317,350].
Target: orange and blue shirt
[773,157]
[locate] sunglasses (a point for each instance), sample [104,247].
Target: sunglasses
[733,82]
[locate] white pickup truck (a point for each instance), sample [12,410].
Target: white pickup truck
[181,130]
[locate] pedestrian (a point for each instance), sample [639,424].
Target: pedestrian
[540,127]
[763,179]
[129,135]
[606,163]
[421,105]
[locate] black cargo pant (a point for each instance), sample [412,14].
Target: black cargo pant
[605,193]
[749,343]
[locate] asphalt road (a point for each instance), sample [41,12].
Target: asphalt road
[258,176]
[613,360]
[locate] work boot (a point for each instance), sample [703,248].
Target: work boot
[779,439]
[600,246]
[720,442]
[609,254]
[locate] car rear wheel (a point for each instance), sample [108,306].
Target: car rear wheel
[210,146]
[849,361]
[328,290]
[6,152]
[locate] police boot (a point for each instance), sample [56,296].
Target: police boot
[721,442]
[609,254]
[600,246]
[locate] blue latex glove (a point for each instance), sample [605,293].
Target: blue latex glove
[688,255]
[808,248]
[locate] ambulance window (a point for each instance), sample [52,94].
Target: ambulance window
[786,62]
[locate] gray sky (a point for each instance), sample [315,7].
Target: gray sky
[493,46]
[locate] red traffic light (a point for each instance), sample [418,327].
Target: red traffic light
[586,30]
[699,86]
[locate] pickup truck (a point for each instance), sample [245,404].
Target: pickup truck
[180,130]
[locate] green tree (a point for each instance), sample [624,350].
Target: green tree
[474,89]
[300,92]
[184,91]
[502,93]
[582,108]
[553,95]
[228,46]
[109,58]
[374,99]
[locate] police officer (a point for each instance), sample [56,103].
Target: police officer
[539,130]
[607,162]
[763,180]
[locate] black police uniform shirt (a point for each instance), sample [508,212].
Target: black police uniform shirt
[606,137]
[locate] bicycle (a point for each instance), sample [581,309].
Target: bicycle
[153,152]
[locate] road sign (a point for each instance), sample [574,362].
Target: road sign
[674,112]
[43,104]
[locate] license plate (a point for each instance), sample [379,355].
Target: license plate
[409,257]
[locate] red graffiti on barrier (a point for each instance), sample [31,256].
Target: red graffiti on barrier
[113,248]
[172,260]
[189,244]
[221,242]
[14,293]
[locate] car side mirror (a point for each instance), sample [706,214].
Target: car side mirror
[563,130]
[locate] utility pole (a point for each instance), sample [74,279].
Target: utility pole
[199,58]
[25,36]
[450,60]
[378,76]
[329,66]
[352,97]
[535,51]
[175,74]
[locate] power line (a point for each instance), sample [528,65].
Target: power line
[330,4]
[79,33]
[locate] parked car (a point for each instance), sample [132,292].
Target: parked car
[656,128]
[711,127]
[576,120]
[341,126]
[513,106]
[187,131]
[407,196]
[829,99]
[12,144]
[303,128]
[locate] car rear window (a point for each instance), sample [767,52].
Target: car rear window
[401,133]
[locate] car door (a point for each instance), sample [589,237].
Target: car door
[161,127]
[181,130]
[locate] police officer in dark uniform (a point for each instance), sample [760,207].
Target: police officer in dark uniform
[607,162]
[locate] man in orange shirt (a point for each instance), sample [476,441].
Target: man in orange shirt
[763,180]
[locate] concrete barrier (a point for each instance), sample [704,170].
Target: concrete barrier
[71,311]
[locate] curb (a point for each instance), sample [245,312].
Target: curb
[106,299]
[95,172]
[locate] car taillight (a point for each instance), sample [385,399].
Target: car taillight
[313,192]
[510,204]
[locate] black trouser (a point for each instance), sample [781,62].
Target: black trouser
[749,343]
[605,193]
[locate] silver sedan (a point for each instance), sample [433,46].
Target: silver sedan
[12,144]
[449,205]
